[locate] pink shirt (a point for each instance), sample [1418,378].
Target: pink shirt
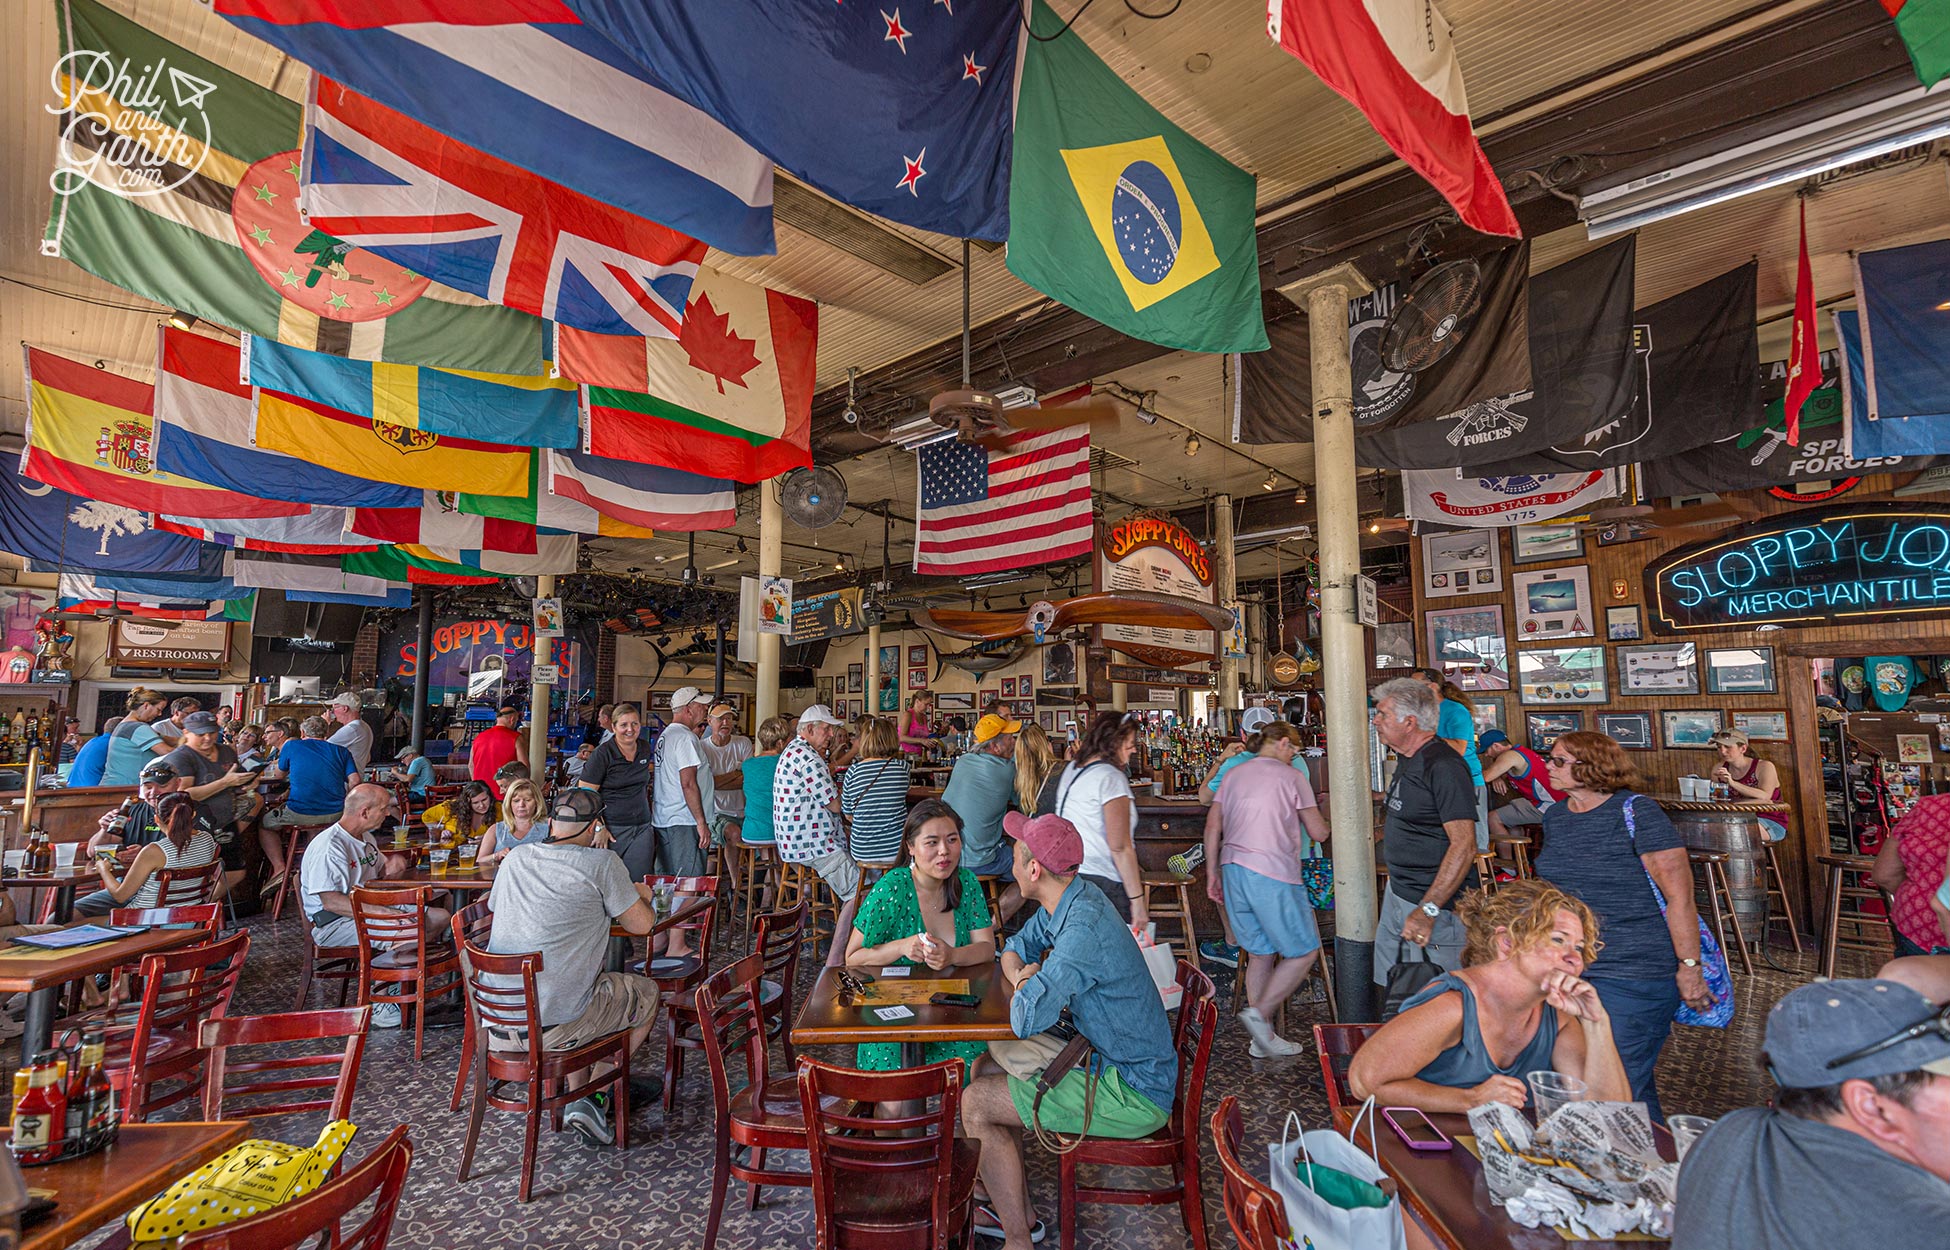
[1922,842]
[1261,801]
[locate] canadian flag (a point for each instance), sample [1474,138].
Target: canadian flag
[1393,60]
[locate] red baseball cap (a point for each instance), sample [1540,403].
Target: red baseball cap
[1054,841]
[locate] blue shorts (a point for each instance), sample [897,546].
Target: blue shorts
[1269,917]
[1000,864]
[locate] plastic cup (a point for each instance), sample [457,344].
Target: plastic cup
[1686,1130]
[438,856]
[64,853]
[399,836]
[1551,1090]
[468,851]
[14,861]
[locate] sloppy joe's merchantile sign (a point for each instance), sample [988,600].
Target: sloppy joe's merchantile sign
[1159,556]
[1819,566]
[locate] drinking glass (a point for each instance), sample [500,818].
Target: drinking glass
[1551,1090]
[64,853]
[399,837]
[467,852]
[438,855]
[1686,1130]
[663,895]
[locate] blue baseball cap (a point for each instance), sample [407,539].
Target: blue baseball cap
[1489,738]
[1829,1021]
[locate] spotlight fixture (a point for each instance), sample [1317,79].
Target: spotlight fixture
[182,320]
[743,550]
[1270,482]
[1191,444]
[1374,526]
[1300,495]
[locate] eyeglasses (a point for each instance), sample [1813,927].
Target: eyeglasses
[1938,1024]
[851,986]
[1562,761]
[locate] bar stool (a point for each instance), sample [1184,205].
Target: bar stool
[799,884]
[1323,970]
[992,886]
[1777,888]
[1486,870]
[756,874]
[1515,848]
[1719,899]
[295,837]
[1846,874]
[1177,904]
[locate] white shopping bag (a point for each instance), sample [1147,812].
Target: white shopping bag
[1316,1222]
[1163,966]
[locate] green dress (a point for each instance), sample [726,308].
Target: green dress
[891,912]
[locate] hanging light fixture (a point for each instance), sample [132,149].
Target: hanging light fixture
[1300,494]
[1270,482]
[1191,443]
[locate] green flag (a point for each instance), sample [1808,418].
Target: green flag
[178,180]
[1120,214]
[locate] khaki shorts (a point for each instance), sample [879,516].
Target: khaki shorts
[1024,1057]
[621,1001]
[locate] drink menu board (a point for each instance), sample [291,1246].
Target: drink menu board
[1158,556]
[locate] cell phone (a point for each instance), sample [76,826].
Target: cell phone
[955,1000]
[1415,1129]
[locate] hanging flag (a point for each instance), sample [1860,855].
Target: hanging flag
[1867,435]
[400,596]
[1925,29]
[1905,348]
[1393,60]
[39,522]
[1025,503]
[381,451]
[496,407]
[554,553]
[1450,497]
[204,417]
[1584,365]
[190,198]
[92,432]
[81,592]
[642,494]
[405,191]
[180,589]
[320,531]
[396,565]
[731,396]
[1804,354]
[1122,215]
[437,524]
[548,511]
[527,84]
[1699,383]
[283,571]
[899,109]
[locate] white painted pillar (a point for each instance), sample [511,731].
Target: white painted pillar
[538,696]
[771,550]
[873,670]
[1225,577]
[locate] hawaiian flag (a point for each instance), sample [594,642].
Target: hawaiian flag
[409,193]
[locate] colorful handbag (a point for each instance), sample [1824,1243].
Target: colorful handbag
[1712,960]
[1317,873]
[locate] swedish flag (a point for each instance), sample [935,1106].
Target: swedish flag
[1123,216]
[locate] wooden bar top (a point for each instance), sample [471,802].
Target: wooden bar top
[825,1021]
[100,1188]
[1751,807]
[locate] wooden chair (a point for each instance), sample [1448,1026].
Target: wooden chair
[180,989]
[186,887]
[1849,889]
[1515,849]
[680,974]
[325,963]
[885,1182]
[765,1113]
[777,938]
[1337,1044]
[320,1215]
[1719,901]
[1174,1146]
[1255,1210]
[205,916]
[295,837]
[499,1008]
[286,1073]
[396,949]
[472,924]
[1176,905]
[1777,889]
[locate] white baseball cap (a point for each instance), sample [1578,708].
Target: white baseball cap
[687,695]
[348,699]
[1254,719]
[819,714]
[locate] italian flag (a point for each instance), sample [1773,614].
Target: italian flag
[1925,28]
[1393,60]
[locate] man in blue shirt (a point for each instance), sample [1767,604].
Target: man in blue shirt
[1074,955]
[418,771]
[321,773]
[980,789]
[92,757]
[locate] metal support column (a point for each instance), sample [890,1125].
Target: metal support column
[538,695]
[422,664]
[771,548]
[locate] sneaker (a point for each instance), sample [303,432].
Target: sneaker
[1219,951]
[1255,1025]
[1275,1047]
[385,1015]
[645,1090]
[588,1117]
[987,1225]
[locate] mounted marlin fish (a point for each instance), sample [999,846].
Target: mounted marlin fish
[701,655]
[983,657]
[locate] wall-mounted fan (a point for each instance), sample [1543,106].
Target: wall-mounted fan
[1434,317]
[813,498]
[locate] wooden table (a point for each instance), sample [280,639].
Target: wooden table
[423,874]
[63,881]
[100,1188]
[1764,807]
[1447,1193]
[825,1021]
[41,974]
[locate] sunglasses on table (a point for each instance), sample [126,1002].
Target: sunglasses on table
[851,986]
[1938,1024]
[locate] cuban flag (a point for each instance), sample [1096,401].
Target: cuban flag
[404,191]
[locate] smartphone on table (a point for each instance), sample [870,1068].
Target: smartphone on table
[1415,1129]
[955,1000]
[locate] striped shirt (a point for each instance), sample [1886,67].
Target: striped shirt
[873,798]
[199,852]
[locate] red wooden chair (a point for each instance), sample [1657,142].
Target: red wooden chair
[287,1073]
[1174,1146]
[380,1178]
[472,925]
[510,1010]
[205,916]
[396,949]
[1256,1212]
[1337,1044]
[180,989]
[678,974]
[764,1114]
[778,937]
[186,887]
[295,837]
[887,1182]
[325,963]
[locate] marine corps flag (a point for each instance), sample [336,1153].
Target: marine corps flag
[1122,215]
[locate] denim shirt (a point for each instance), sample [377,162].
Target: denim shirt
[1091,964]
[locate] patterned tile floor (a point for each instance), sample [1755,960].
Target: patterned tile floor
[657,1193]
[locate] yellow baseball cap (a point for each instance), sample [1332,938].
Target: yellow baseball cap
[994,726]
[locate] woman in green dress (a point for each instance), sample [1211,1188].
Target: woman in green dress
[928,911]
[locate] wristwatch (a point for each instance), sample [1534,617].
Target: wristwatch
[1431,910]
[1689,963]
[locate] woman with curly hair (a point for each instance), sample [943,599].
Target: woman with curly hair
[1519,1004]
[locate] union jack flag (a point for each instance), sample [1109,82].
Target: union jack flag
[381,180]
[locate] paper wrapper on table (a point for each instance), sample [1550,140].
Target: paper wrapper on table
[1592,1168]
[1312,1219]
[1163,965]
[248,1179]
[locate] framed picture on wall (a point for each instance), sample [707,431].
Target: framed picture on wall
[1691,729]
[1487,712]
[917,679]
[1762,726]
[917,655]
[1025,687]
[1558,675]
[1740,670]
[823,690]
[1059,664]
[1631,730]
[1658,668]
[1047,720]
[856,678]
[1008,687]
[1394,644]
[1544,728]
[1623,624]
[890,662]
[957,701]
[1546,541]
[988,697]
[1462,562]
[1553,603]
[1468,644]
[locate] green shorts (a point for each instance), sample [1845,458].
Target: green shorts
[1119,1111]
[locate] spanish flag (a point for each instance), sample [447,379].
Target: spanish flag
[380,451]
[93,433]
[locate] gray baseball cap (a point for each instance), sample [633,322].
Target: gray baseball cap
[1816,1025]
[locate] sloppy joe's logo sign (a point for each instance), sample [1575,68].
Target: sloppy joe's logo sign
[1824,565]
[1130,535]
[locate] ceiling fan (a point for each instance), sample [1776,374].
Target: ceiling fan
[112,611]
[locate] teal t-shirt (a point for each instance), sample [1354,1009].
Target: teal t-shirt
[1457,723]
[1232,762]
[759,771]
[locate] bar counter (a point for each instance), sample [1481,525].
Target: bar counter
[68,813]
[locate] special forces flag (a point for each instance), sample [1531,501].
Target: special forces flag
[1122,215]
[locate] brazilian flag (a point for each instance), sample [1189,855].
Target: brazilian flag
[1120,214]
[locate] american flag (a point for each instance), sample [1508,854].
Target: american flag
[1028,502]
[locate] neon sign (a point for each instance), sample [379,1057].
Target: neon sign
[1821,566]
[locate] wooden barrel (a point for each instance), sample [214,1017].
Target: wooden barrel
[1740,837]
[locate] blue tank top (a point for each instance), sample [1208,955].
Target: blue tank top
[1468,1062]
